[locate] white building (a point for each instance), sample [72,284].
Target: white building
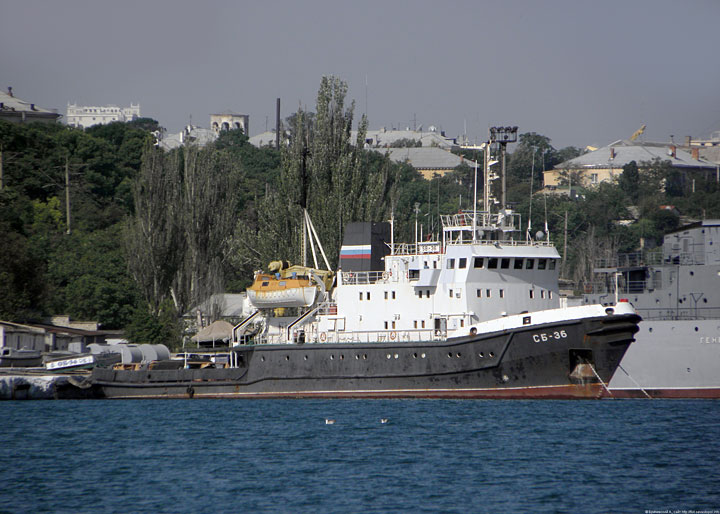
[83,116]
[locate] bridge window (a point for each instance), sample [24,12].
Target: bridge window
[505,263]
[450,263]
[552,263]
[462,263]
[368,295]
[519,263]
[479,262]
[478,292]
[542,263]
[488,293]
[492,263]
[529,263]
[502,293]
[532,294]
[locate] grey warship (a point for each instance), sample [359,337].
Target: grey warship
[676,290]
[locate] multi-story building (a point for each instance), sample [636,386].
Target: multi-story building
[82,116]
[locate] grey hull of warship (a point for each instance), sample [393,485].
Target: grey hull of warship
[677,292]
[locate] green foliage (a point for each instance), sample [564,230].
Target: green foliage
[162,327]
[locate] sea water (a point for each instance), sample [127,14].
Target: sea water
[338,456]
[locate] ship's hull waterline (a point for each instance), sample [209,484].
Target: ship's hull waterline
[563,360]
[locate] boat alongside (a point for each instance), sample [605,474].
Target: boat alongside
[677,349]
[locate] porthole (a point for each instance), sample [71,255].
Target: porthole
[342,357]
[396,356]
[357,357]
[449,355]
[481,355]
[491,354]
[414,355]
[364,356]
[287,357]
[458,355]
[422,355]
[262,359]
[389,356]
[696,329]
[305,357]
[332,357]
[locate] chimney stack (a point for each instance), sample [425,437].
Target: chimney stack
[612,153]
[696,153]
[10,91]
[673,151]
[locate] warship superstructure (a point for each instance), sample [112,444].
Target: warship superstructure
[676,290]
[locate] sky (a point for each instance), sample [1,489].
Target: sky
[579,72]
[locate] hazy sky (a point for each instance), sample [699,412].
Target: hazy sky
[579,72]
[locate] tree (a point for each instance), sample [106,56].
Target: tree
[323,171]
[629,181]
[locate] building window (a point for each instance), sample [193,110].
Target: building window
[478,262]
[462,263]
[593,178]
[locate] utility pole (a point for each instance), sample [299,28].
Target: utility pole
[564,245]
[1,168]
[67,193]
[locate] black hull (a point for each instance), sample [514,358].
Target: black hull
[529,362]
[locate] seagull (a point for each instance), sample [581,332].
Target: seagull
[383,420]
[329,421]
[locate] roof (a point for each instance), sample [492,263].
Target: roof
[267,138]
[386,138]
[196,135]
[429,158]
[14,107]
[626,152]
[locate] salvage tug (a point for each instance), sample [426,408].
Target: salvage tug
[458,317]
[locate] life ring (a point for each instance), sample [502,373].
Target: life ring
[393,335]
[323,336]
[384,275]
[390,273]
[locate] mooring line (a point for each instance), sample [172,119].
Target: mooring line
[601,380]
[631,378]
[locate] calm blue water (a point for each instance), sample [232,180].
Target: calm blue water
[431,456]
